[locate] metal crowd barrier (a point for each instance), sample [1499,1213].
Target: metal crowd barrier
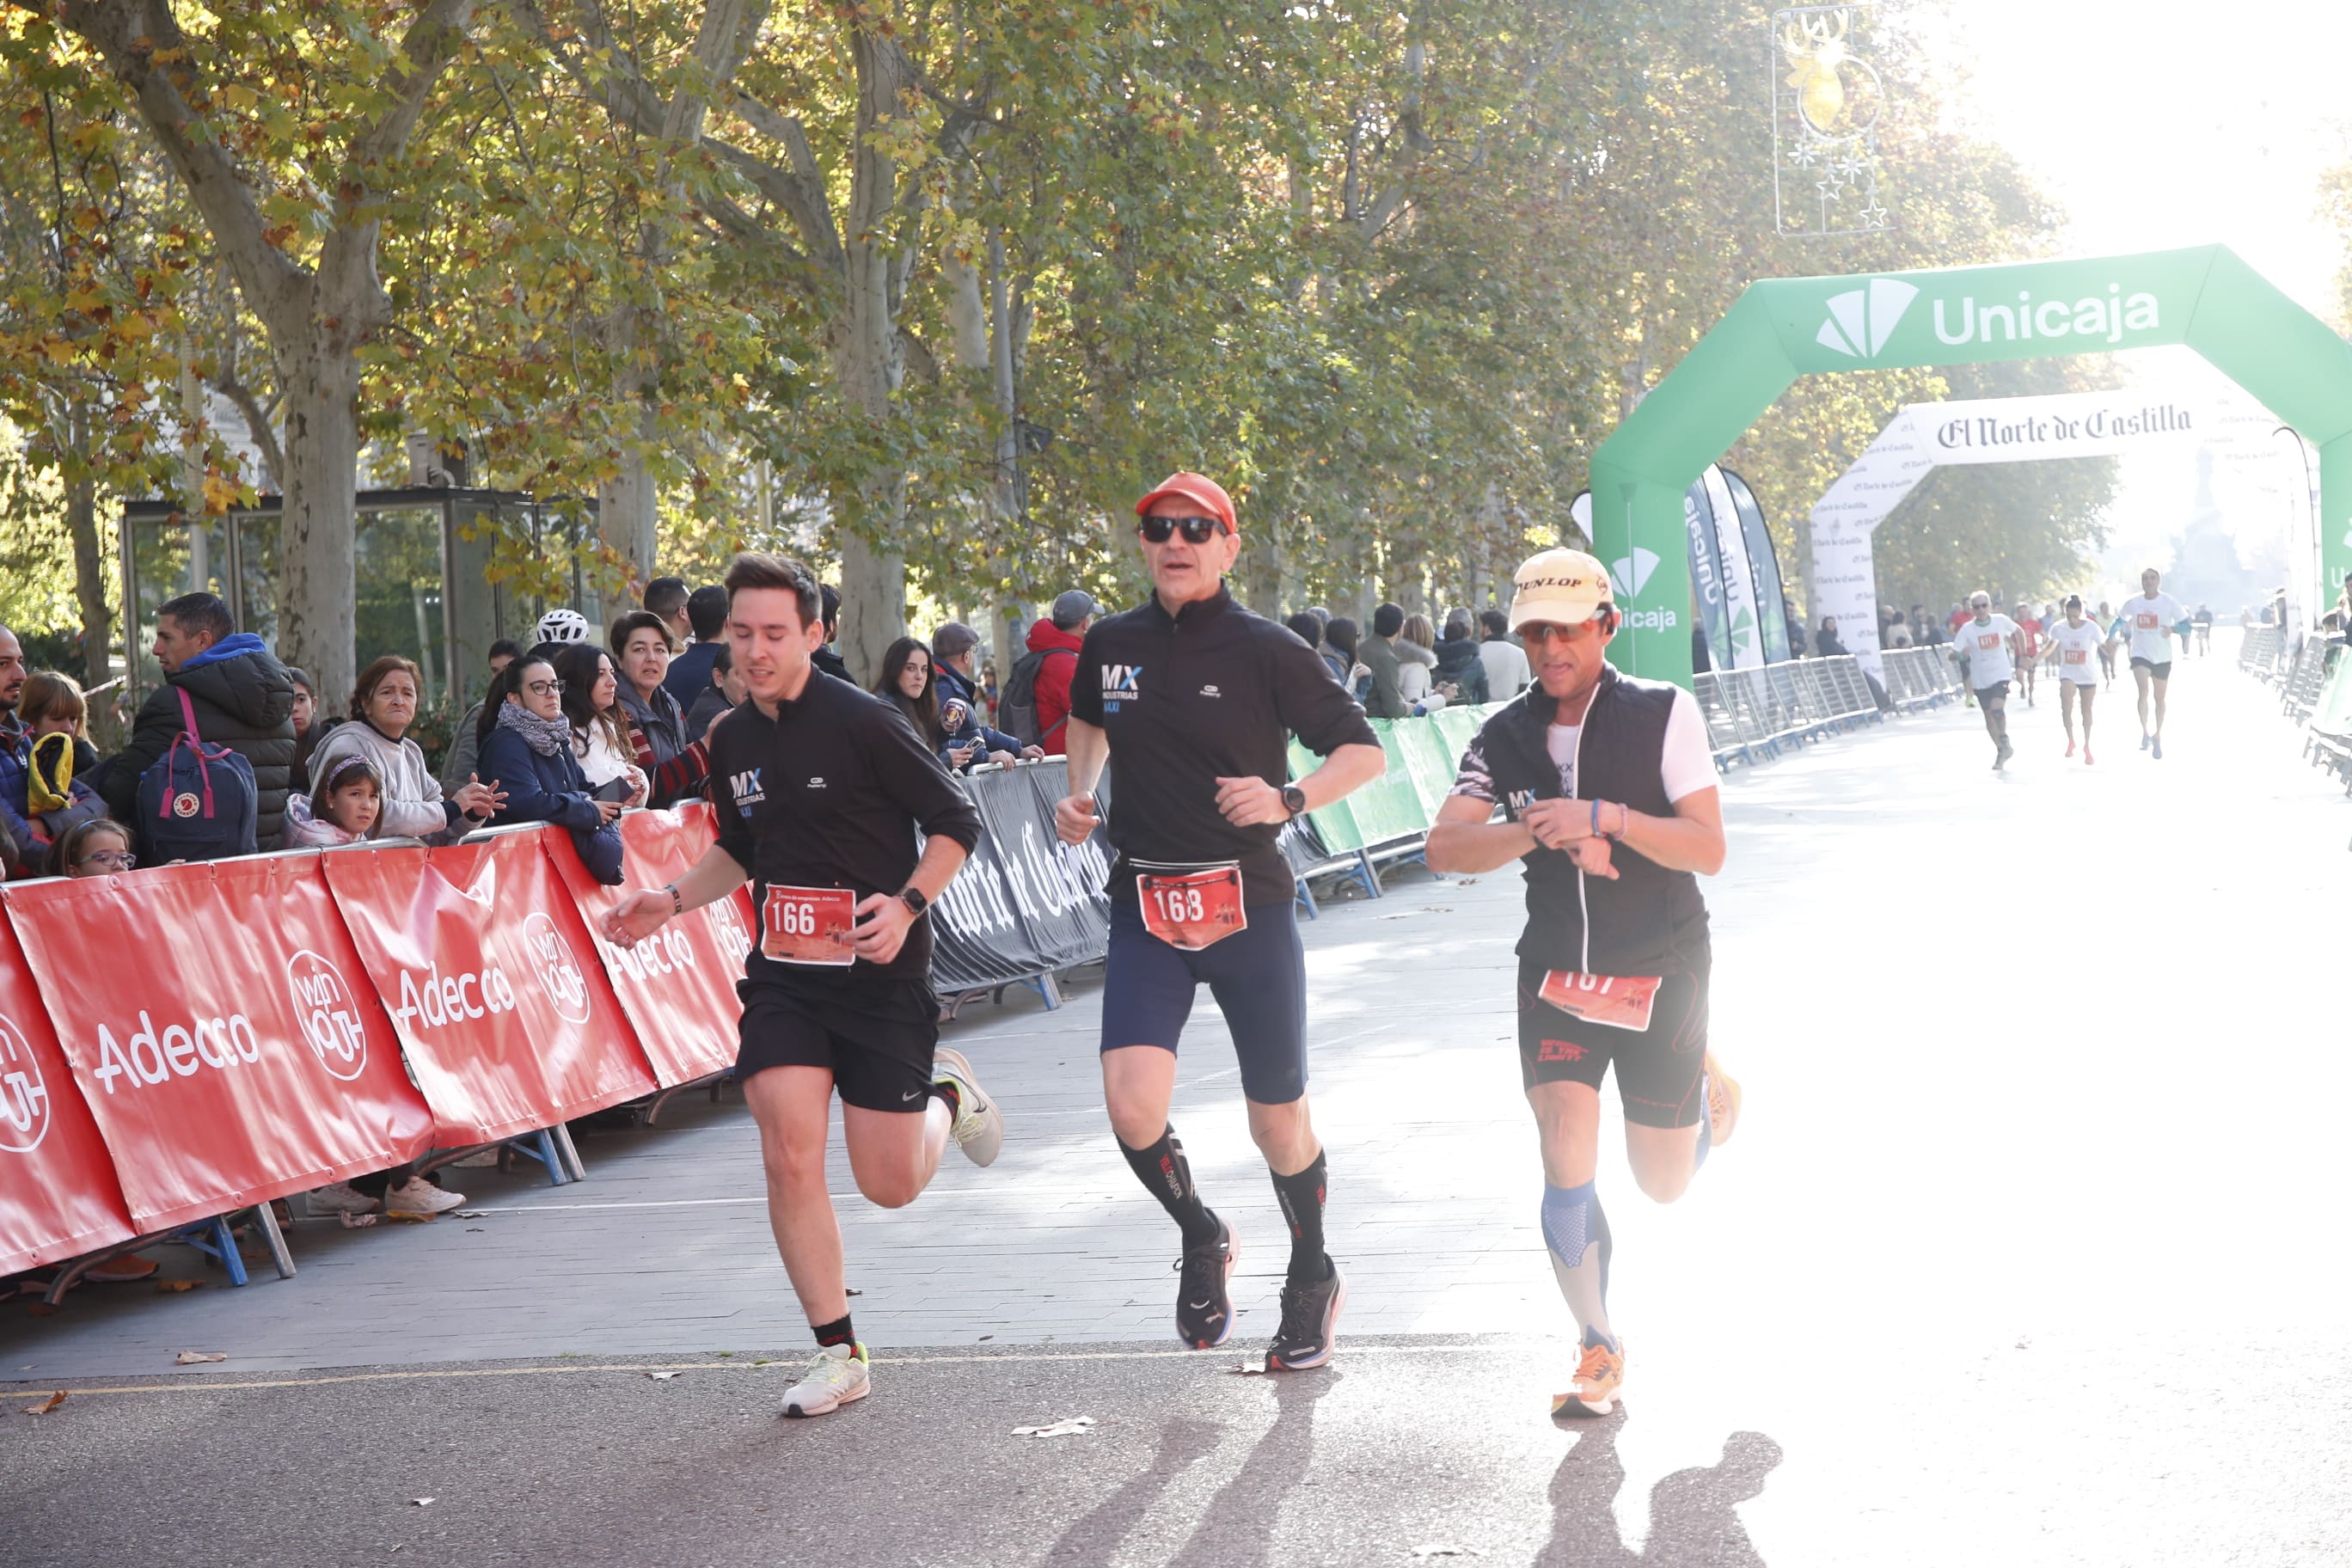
[2259,652]
[1752,713]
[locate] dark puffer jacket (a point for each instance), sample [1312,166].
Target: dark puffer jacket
[244,699]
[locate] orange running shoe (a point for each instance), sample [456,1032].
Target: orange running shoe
[1722,1103]
[1599,1376]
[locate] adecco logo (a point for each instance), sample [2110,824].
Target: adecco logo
[726,928]
[559,976]
[24,1097]
[330,1017]
[666,951]
[179,1052]
[446,999]
[1862,319]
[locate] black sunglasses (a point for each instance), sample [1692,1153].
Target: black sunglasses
[1196,529]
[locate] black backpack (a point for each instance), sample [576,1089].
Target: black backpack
[1016,705]
[197,800]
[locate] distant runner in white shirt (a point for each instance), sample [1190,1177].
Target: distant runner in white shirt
[2076,642]
[2149,617]
[1988,648]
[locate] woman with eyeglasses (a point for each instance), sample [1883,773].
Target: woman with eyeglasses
[384,705]
[526,744]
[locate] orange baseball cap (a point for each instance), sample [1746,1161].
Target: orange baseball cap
[1198,489]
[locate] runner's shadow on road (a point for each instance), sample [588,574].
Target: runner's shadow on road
[1237,1530]
[1096,1537]
[1693,1517]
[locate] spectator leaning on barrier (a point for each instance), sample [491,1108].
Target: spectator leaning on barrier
[45,783]
[1385,698]
[98,848]
[955,653]
[1506,661]
[1341,636]
[1459,662]
[243,698]
[689,672]
[601,742]
[383,705]
[906,685]
[458,766]
[675,763]
[526,743]
[1825,640]
[346,808]
[721,697]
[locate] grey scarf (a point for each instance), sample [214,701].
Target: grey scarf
[545,736]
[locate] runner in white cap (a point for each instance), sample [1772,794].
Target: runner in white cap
[2076,642]
[1608,795]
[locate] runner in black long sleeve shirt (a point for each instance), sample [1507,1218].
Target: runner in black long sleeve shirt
[1193,700]
[820,789]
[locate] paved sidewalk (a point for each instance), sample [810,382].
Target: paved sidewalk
[2013,1259]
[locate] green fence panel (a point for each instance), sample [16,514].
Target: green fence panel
[1424,756]
[1422,751]
[1334,824]
[1390,805]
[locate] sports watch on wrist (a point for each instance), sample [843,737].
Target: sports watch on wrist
[912,897]
[1294,800]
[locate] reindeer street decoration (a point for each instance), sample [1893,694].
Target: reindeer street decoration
[1826,103]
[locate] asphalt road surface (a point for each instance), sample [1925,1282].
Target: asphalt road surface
[2026,1252]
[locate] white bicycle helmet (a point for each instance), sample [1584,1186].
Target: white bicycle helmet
[563,625]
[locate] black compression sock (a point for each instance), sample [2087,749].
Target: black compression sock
[1302,1205]
[836,1332]
[1163,1168]
[942,1090]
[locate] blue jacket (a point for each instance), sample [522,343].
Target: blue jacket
[690,674]
[550,789]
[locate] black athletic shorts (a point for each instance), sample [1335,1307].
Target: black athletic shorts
[1258,976]
[1657,1068]
[1997,688]
[2154,671]
[875,1034]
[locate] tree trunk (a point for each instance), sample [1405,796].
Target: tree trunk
[90,577]
[318,602]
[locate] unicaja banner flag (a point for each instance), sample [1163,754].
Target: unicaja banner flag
[678,986]
[1741,613]
[242,1055]
[59,1195]
[504,1012]
[1763,567]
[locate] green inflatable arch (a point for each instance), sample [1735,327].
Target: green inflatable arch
[1784,328]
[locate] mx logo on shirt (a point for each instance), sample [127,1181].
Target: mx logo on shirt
[748,793]
[1118,685]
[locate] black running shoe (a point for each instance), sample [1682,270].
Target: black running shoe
[1310,1321]
[1204,1311]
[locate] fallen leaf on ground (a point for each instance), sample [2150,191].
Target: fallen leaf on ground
[173,1287]
[470,1214]
[191,1358]
[397,1217]
[661,1376]
[51,1402]
[1439,1548]
[355,1221]
[1067,1426]
[422,1502]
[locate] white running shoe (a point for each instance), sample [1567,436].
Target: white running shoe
[978,1129]
[417,1195]
[341,1197]
[835,1376]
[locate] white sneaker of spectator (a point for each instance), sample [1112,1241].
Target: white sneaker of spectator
[417,1195]
[341,1197]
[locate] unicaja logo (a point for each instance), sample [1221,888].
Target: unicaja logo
[1862,319]
[1631,574]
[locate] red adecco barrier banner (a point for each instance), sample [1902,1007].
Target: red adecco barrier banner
[508,1022]
[221,1030]
[678,985]
[58,1198]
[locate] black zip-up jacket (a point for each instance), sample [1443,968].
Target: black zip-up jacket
[1212,692]
[829,794]
[1648,921]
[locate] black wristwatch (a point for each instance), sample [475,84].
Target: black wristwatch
[913,898]
[1294,800]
